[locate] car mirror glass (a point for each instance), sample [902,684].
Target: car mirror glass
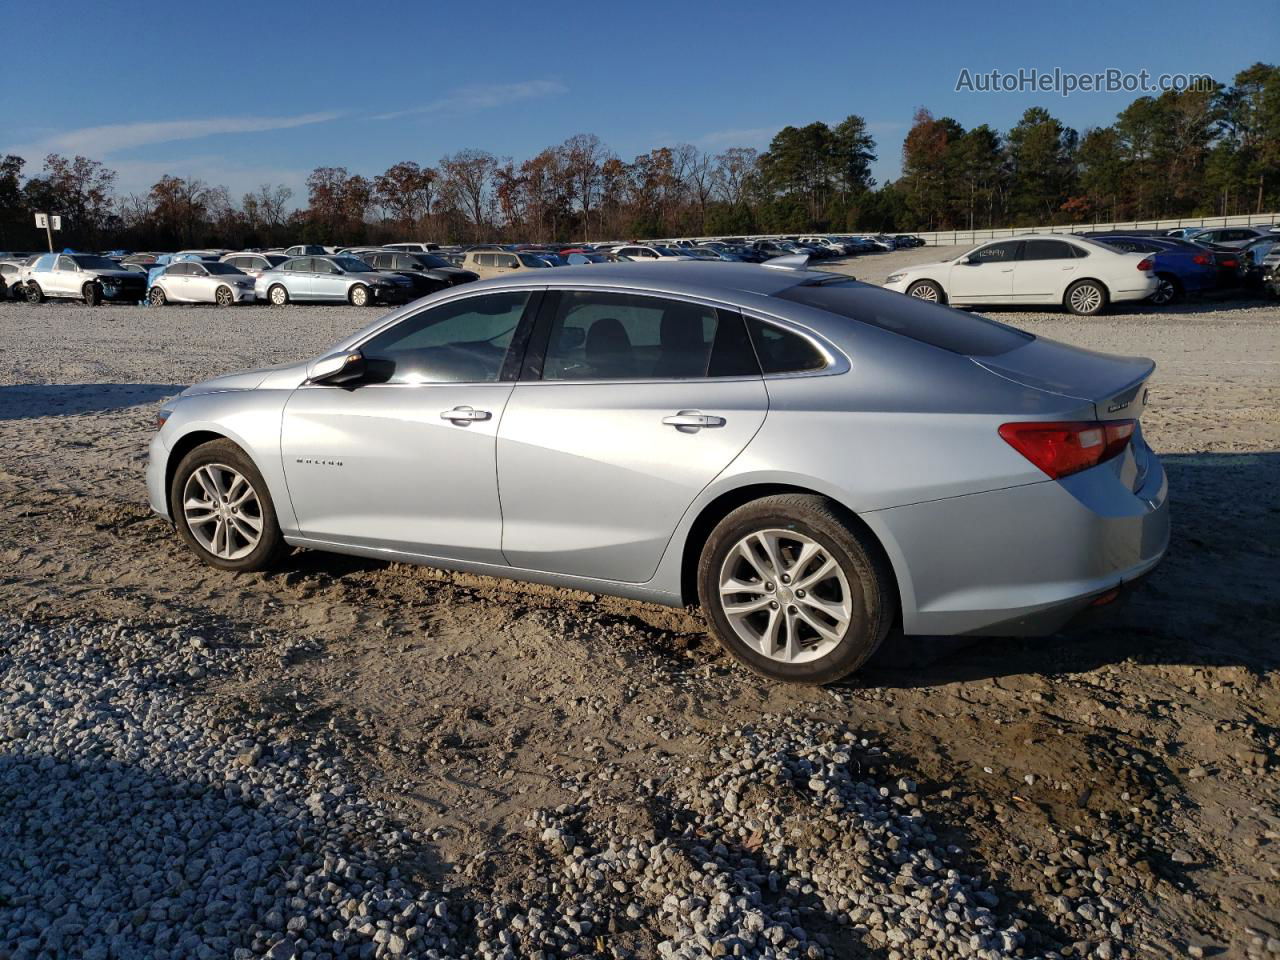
[339,369]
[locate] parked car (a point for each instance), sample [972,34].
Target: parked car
[1180,269]
[578,258]
[11,279]
[770,249]
[330,279]
[254,264]
[908,240]
[305,250]
[651,445]
[647,252]
[1254,258]
[81,276]
[194,281]
[1082,275]
[1271,274]
[412,247]
[439,271]
[489,263]
[1231,237]
[833,248]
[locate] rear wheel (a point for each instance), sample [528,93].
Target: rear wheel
[1169,290]
[1086,298]
[222,509]
[359,295]
[926,290]
[92,294]
[223,296]
[278,295]
[794,591]
[156,297]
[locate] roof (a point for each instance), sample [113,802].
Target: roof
[704,278]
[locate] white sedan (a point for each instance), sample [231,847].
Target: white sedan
[193,281]
[1077,273]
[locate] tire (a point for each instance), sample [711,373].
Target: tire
[223,296]
[1085,298]
[926,290]
[207,475]
[34,293]
[92,294]
[1169,291]
[156,297]
[859,585]
[358,296]
[278,296]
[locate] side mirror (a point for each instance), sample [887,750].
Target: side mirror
[339,369]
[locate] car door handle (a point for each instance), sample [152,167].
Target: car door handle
[1007,270]
[692,418]
[465,415]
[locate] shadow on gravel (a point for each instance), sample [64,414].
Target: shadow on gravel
[112,859]
[31,400]
[1211,602]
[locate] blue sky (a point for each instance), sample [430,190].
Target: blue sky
[242,94]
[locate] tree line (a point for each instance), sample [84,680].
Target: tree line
[1190,153]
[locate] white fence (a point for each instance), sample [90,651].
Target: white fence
[957,237]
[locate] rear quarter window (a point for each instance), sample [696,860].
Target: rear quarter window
[936,325]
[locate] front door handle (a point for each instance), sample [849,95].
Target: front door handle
[692,418]
[465,415]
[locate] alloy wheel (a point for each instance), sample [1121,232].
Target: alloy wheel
[222,511]
[1086,298]
[785,595]
[222,296]
[925,292]
[1164,293]
[279,296]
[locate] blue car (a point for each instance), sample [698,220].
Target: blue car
[1182,268]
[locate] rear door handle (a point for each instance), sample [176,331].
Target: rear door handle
[692,418]
[465,415]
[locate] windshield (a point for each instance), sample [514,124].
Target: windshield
[352,265]
[529,260]
[429,260]
[222,268]
[930,323]
[96,263]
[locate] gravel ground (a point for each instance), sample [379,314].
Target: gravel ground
[348,758]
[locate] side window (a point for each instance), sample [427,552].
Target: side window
[463,341]
[997,252]
[781,351]
[507,260]
[619,336]
[1049,250]
[178,270]
[196,270]
[45,263]
[487,260]
[66,263]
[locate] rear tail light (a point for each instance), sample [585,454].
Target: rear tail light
[1146,263]
[1231,263]
[1061,448]
[1202,259]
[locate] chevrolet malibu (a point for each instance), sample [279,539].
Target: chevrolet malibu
[1047,269]
[336,279]
[816,462]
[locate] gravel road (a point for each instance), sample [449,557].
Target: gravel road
[344,758]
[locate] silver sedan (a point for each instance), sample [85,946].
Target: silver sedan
[193,281]
[335,279]
[820,464]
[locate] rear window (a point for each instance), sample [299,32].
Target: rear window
[930,323]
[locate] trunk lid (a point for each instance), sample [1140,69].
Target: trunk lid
[1115,386]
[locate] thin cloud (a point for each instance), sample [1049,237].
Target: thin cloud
[482,97]
[112,138]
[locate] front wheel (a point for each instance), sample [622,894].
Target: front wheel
[222,509]
[223,296]
[156,297]
[794,590]
[1086,298]
[92,294]
[34,293]
[359,295]
[926,290]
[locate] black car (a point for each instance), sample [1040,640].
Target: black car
[428,272]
